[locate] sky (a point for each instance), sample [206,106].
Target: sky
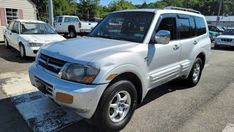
[106,2]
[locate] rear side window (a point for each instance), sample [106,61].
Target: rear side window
[192,26]
[71,19]
[60,19]
[200,26]
[183,28]
[10,26]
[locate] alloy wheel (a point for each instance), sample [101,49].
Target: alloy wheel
[119,106]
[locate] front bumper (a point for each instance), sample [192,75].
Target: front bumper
[31,51]
[85,97]
[225,43]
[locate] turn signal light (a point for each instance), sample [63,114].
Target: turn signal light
[64,98]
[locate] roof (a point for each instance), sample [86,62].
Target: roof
[138,10]
[66,16]
[161,11]
[222,18]
[33,21]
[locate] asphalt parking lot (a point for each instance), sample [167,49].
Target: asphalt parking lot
[172,107]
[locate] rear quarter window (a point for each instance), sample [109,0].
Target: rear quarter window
[200,26]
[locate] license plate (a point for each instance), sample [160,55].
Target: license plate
[41,86]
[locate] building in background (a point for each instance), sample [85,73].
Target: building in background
[15,9]
[225,21]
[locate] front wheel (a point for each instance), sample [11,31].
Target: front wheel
[116,106]
[6,43]
[22,51]
[195,73]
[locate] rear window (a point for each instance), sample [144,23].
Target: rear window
[200,26]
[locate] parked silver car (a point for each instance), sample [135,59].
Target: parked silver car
[226,39]
[104,76]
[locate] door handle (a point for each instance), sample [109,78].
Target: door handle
[195,42]
[176,47]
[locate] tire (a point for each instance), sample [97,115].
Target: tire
[195,73]
[6,43]
[22,51]
[72,33]
[111,114]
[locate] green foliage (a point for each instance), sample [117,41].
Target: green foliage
[64,7]
[206,7]
[87,9]
[120,5]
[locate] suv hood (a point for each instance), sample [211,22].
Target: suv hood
[85,49]
[226,36]
[42,38]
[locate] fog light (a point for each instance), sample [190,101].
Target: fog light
[64,98]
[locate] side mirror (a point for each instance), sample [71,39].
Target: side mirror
[163,37]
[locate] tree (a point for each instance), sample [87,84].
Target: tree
[88,8]
[120,5]
[64,7]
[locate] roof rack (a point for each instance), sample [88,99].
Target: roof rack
[182,9]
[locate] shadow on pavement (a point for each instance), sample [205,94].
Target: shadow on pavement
[81,126]
[162,90]
[84,126]
[12,55]
[224,48]
[10,119]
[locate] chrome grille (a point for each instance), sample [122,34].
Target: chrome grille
[226,40]
[52,64]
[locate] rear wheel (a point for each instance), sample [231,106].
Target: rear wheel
[116,106]
[195,73]
[72,33]
[22,51]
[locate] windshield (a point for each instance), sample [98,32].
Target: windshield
[36,28]
[228,32]
[129,26]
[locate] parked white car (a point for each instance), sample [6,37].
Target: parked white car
[72,25]
[28,36]
[226,39]
[106,75]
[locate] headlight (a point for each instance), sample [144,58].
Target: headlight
[35,44]
[217,40]
[79,73]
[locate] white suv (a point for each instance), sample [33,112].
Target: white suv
[104,76]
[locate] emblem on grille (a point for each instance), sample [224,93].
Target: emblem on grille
[47,61]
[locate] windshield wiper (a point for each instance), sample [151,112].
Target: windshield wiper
[102,36]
